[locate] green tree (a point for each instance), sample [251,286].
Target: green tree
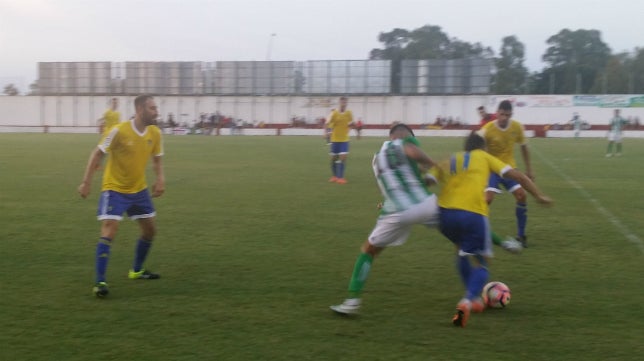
[11,90]
[637,71]
[614,78]
[426,42]
[511,75]
[575,58]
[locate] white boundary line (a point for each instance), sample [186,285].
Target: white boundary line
[630,236]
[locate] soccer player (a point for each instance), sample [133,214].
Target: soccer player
[501,135]
[485,116]
[397,168]
[464,215]
[110,118]
[615,134]
[576,124]
[339,123]
[130,145]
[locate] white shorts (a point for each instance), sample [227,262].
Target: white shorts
[394,229]
[614,137]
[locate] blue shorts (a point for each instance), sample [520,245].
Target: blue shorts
[113,204]
[470,231]
[338,148]
[495,180]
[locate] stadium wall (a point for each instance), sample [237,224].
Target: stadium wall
[67,113]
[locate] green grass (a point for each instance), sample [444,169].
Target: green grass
[254,245]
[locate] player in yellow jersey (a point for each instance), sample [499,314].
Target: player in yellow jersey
[501,136]
[464,215]
[339,123]
[130,145]
[110,118]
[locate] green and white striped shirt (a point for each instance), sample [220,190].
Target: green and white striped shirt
[398,177]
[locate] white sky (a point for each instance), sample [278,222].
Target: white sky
[33,31]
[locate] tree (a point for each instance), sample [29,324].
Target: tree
[11,90]
[575,58]
[426,42]
[33,88]
[613,79]
[511,75]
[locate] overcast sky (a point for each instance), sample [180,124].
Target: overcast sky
[33,31]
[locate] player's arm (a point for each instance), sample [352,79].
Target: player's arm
[525,153]
[415,153]
[159,186]
[92,164]
[528,185]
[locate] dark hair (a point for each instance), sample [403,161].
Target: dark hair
[474,141]
[400,126]
[141,99]
[480,108]
[505,105]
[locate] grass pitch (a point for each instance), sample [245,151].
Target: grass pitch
[254,245]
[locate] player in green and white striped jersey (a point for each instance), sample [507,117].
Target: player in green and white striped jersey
[398,168]
[615,134]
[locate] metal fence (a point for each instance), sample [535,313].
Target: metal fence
[319,77]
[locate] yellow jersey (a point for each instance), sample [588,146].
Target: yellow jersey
[500,142]
[339,123]
[129,152]
[111,118]
[463,180]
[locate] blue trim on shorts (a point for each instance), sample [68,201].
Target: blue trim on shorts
[113,204]
[339,148]
[496,180]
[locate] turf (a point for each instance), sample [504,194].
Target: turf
[254,245]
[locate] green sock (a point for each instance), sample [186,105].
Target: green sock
[610,148]
[496,239]
[360,274]
[619,147]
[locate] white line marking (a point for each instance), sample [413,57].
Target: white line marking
[630,236]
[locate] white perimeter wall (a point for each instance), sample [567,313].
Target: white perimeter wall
[83,111]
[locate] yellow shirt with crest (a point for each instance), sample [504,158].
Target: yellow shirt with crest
[500,142]
[340,125]
[129,152]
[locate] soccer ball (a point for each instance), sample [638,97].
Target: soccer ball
[496,294]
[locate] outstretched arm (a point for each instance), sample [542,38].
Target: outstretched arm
[92,164]
[159,186]
[528,185]
[415,153]
[526,160]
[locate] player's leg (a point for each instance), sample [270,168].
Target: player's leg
[343,151]
[110,208]
[143,212]
[492,189]
[387,232]
[609,150]
[521,210]
[334,161]
[471,233]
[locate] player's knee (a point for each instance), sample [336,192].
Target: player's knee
[520,195]
[370,249]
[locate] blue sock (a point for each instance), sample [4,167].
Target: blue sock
[102,257]
[341,169]
[522,218]
[478,277]
[464,269]
[333,168]
[336,168]
[142,248]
